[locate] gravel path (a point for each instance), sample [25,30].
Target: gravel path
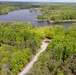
[28,67]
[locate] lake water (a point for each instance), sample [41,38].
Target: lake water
[25,16]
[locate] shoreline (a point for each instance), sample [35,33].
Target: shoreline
[64,21]
[50,21]
[39,20]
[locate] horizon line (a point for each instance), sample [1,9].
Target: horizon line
[38,1]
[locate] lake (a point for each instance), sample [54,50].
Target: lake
[24,15]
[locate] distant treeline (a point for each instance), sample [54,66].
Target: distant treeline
[6,7]
[58,13]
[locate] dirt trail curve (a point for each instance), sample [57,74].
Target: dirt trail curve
[43,48]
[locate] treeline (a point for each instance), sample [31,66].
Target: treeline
[18,43]
[58,13]
[60,55]
[6,7]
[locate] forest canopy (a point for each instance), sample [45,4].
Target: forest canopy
[18,43]
[58,13]
[60,55]
[6,7]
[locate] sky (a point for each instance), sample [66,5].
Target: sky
[41,0]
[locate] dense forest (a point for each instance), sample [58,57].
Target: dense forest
[18,43]
[60,55]
[58,13]
[6,7]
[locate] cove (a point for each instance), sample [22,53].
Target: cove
[23,15]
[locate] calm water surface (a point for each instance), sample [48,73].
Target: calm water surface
[25,16]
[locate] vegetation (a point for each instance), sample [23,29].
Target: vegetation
[5,8]
[58,13]
[34,9]
[18,43]
[60,55]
